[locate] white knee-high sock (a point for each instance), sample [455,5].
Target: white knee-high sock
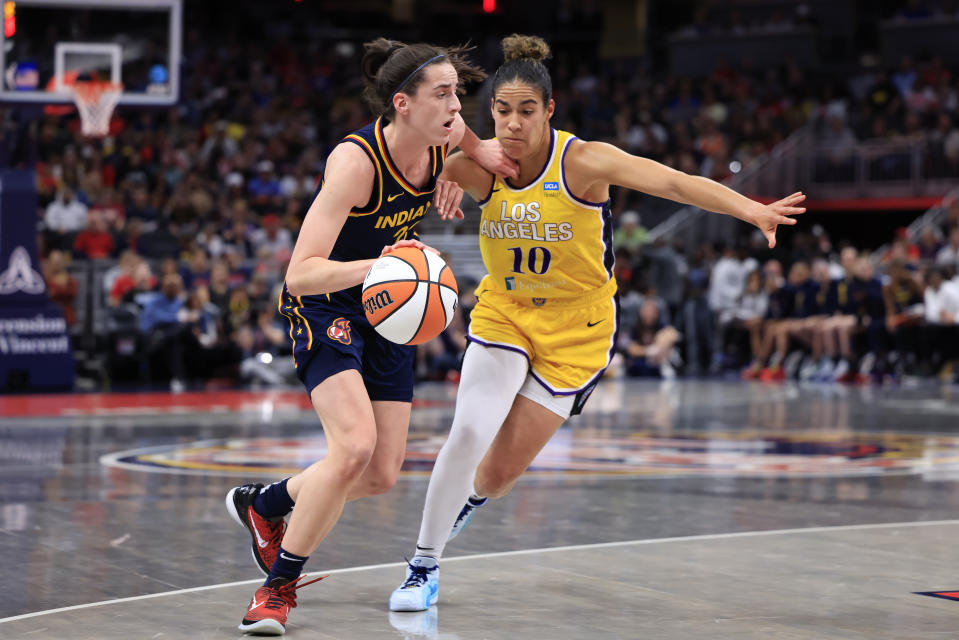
[489,382]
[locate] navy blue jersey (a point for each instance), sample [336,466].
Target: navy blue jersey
[824,300]
[805,299]
[904,295]
[839,299]
[865,297]
[391,214]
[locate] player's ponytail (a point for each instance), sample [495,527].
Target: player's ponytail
[523,58]
[390,66]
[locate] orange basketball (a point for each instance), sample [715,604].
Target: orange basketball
[410,296]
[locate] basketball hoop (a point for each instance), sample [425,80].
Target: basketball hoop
[95,101]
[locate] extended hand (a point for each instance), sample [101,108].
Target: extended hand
[489,154]
[768,217]
[447,197]
[407,243]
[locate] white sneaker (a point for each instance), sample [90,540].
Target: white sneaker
[808,370]
[842,368]
[421,587]
[824,372]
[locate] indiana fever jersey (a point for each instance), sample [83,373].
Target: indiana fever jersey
[541,241]
[394,209]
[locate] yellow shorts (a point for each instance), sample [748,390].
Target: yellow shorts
[568,342]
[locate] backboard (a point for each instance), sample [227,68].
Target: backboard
[47,44]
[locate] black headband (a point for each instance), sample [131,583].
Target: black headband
[415,71]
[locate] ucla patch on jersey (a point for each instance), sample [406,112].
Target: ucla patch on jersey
[551,188]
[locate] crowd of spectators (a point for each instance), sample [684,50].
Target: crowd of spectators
[816,312]
[200,204]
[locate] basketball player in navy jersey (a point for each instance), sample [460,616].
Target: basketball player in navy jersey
[380,182]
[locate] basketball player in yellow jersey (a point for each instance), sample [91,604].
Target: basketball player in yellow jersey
[543,331]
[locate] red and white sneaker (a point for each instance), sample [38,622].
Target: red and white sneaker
[267,533]
[270,606]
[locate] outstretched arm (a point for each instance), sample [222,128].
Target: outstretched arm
[602,163]
[488,154]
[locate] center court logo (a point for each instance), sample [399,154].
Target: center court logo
[730,454]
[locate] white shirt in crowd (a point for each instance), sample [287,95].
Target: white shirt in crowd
[946,298]
[948,256]
[65,217]
[281,244]
[726,283]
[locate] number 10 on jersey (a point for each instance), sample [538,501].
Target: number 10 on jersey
[537,260]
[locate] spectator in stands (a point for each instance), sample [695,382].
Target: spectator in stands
[272,242]
[903,299]
[944,146]
[833,336]
[651,348]
[61,286]
[122,269]
[902,249]
[167,338]
[144,285]
[796,305]
[140,207]
[948,256]
[939,337]
[952,218]
[746,316]
[162,242]
[699,329]
[630,234]
[238,309]
[264,188]
[822,306]
[198,272]
[95,242]
[258,290]
[837,161]
[112,210]
[666,268]
[773,284]
[929,244]
[298,185]
[905,76]
[726,281]
[220,286]
[64,216]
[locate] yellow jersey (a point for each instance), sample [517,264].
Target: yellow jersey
[541,241]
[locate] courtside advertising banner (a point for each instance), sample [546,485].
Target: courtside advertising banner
[35,349]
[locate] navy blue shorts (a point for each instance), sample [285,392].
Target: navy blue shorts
[327,340]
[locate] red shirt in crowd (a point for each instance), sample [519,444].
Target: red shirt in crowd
[94,244]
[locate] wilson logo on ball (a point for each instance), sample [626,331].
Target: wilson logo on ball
[379,301]
[409,296]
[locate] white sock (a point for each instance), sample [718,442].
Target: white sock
[490,379]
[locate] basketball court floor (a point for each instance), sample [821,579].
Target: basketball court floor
[668,510]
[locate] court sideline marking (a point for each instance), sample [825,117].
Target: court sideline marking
[521,552]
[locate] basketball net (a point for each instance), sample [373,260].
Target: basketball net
[96,101]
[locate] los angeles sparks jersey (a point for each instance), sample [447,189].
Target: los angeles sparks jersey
[394,209]
[541,241]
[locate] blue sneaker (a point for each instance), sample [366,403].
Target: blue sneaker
[466,514]
[421,587]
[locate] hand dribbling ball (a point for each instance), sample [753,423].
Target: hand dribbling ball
[410,296]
